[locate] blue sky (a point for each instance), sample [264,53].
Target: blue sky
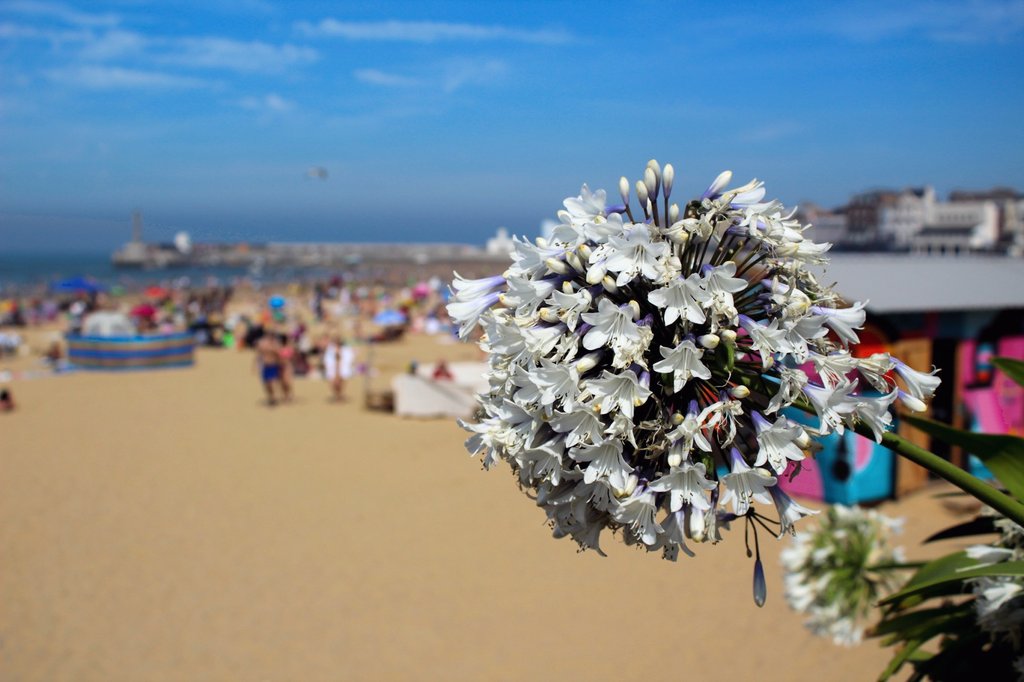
[440,121]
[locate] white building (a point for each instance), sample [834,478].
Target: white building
[958,227]
[499,244]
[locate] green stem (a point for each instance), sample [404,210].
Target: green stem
[895,566]
[972,485]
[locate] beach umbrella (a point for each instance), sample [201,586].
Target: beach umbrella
[156,292]
[144,310]
[389,317]
[276,302]
[77,285]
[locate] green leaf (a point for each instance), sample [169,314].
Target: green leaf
[1007,568]
[901,657]
[1003,455]
[1014,369]
[906,623]
[978,526]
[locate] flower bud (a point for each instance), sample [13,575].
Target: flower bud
[588,362]
[709,341]
[673,213]
[624,189]
[609,285]
[549,315]
[675,459]
[655,166]
[696,525]
[596,273]
[728,335]
[635,309]
[557,266]
[677,418]
[651,183]
[573,260]
[803,441]
[541,242]
[739,392]
[641,192]
[667,178]
[585,251]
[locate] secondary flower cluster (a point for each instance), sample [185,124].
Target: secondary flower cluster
[640,360]
[837,572]
[999,603]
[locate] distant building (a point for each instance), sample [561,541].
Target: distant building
[864,216]
[499,244]
[823,225]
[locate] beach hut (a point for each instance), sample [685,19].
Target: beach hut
[109,342]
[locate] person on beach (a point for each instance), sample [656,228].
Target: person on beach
[339,365]
[268,357]
[6,400]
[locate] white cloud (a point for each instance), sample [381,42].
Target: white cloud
[270,103]
[458,74]
[116,78]
[224,53]
[429,32]
[445,77]
[383,78]
[60,12]
[945,21]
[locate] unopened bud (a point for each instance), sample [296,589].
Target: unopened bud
[549,315]
[667,178]
[557,266]
[803,441]
[709,341]
[624,189]
[567,287]
[675,459]
[673,213]
[573,260]
[651,183]
[596,273]
[641,192]
[635,308]
[609,285]
[677,418]
[587,362]
[739,392]
[541,242]
[728,335]
[696,525]
[585,251]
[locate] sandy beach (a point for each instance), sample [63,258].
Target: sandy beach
[167,525]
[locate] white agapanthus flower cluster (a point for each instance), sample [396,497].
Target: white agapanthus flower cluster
[640,359]
[999,600]
[836,572]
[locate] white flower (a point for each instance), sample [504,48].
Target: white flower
[683,363]
[745,484]
[919,384]
[636,512]
[605,461]
[682,299]
[685,484]
[777,442]
[635,253]
[610,323]
[618,391]
[716,299]
[788,510]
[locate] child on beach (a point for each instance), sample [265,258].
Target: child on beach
[268,358]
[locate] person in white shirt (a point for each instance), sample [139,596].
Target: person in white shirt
[339,365]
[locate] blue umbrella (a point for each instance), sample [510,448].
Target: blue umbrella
[277,302]
[78,284]
[386,318]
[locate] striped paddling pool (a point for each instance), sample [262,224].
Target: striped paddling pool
[131,352]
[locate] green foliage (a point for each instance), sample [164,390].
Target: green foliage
[938,605]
